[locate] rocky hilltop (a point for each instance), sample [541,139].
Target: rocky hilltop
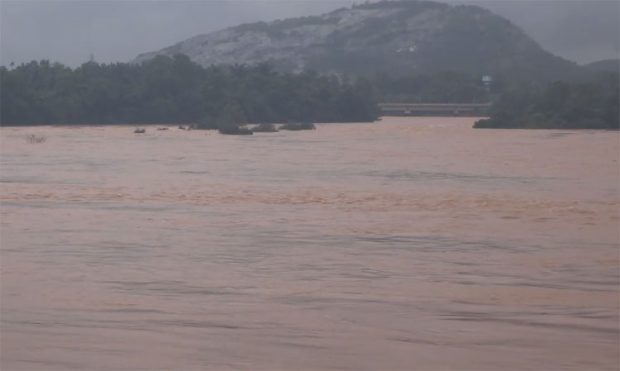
[391,37]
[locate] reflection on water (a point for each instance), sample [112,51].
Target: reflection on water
[410,243]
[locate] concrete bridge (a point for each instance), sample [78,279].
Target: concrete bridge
[434,109]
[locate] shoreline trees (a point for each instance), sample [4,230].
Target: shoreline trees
[175,90]
[560,105]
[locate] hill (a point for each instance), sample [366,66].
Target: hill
[398,38]
[606,65]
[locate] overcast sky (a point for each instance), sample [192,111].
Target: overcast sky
[118,30]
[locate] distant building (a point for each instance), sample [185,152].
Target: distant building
[487,81]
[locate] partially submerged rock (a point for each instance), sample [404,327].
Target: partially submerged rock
[234,130]
[298,126]
[264,128]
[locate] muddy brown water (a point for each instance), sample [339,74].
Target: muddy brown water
[413,243]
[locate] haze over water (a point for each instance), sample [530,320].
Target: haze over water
[409,243]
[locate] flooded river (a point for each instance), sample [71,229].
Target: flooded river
[412,243]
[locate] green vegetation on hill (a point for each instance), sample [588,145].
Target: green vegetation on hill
[560,105]
[166,90]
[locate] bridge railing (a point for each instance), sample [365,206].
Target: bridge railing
[422,109]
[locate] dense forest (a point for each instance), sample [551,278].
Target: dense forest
[176,90]
[560,105]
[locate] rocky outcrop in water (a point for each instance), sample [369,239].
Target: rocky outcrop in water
[296,126]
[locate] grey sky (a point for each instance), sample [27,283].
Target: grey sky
[118,30]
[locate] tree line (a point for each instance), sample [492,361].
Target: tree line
[176,90]
[168,90]
[560,105]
